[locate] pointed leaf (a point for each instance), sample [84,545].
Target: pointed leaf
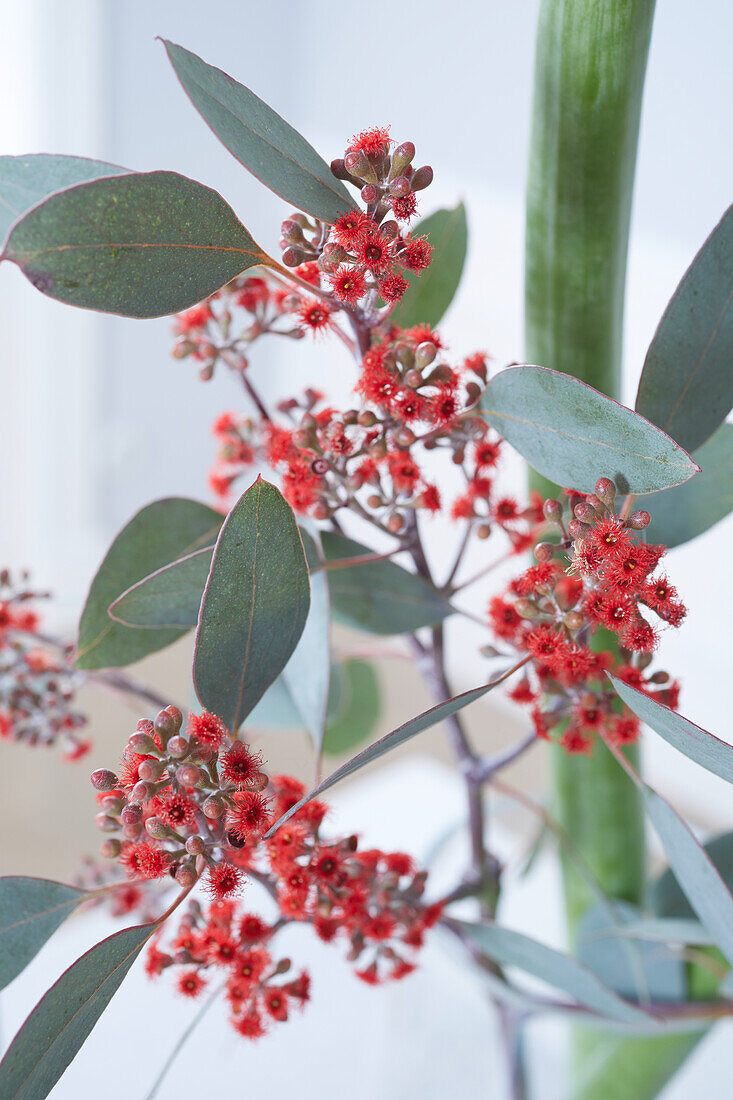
[307,674]
[260,139]
[54,1032]
[159,533]
[686,386]
[696,743]
[358,711]
[666,896]
[255,605]
[694,870]
[24,181]
[634,968]
[169,597]
[573,434]
[141,245]
[31,909]
[683,513]
[391,741]
[380,597]
[432,292]
[510,948]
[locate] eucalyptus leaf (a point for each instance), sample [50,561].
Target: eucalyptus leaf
[636,968]
[692,867]
[160,533]
[31,909]
[260,139]
[432,291]
[169,597]
[683,513]
[308,672]
[140,245]
[54,1032]
[391,741]
[254,607]
[686,385]
[380,597]
[26,180]
[561,971]
[694,742]
[573,434]
[666,896]
[358,708]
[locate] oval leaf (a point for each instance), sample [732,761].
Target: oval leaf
[260,139]
[169,597]
[573,434]
[255,605]
[307,674]
[52,1035]
[141,245]
[391,741]
[380,597]
[432,292]
[24,181]
[561,971]
[694,742]
[686,386]
[159,533]
[31,909]
[685,512]
[358,708]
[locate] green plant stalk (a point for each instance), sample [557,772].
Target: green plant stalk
[589,75]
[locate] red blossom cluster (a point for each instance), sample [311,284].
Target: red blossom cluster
[195,805]
[37,685]
[590,584]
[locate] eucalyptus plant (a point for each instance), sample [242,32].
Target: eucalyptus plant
[338,531]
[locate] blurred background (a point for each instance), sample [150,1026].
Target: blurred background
[96,419]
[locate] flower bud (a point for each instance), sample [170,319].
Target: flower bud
[526,609]
[104,780]
[293,257]
[106,823]
[132,832]
[156,828]
[422,178]
[131,815]
[584,512]
[282,967]
[395,523]
[141,743]
[196,845]
[292,232]
[403,155]
[356,164]
[110,849]
[544,551]
[141,792]
[213,807]
[166,725]
[552,510]
[112,805]
[370,193]
[178,746]
[573,620]
[339,169]
[188,775]
[637,521]
[578,530]
[186,875]
[399,187]
[606,490]
[483,531]
[425,354]
[366,419]
[151,770]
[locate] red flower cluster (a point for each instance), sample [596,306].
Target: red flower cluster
[224,939]
[597,577]
[196,805]
[37,686]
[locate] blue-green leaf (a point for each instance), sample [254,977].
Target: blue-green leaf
[24,181]
[31,909]
[572,434]
[683,513]
[52,1035]
[254,607]
[357,710]
[260,139]
[169,597]
[686,386]
[432,291]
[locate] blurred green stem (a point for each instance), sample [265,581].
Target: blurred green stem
[589,75]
